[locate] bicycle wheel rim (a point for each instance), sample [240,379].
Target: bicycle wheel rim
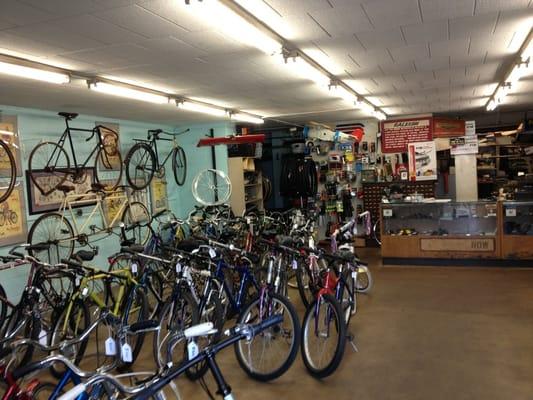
[49,166]
[179,164]
[8,171]
[54,230]
[108,169]
[137,212]
[140,166]
[211,187]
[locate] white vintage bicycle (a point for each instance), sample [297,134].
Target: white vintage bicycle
[62,229]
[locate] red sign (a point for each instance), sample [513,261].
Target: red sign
[396,134]
[446,128]
[257,138]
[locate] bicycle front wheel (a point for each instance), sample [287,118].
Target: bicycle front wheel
[271,353]
[3,307]
[211,187]
[179,165]
[107,169]
[49,166]
[140,166]
[8,171]
[56,231]
[22,324]
[133,213]
[323,336]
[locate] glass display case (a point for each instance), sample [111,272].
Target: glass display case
[517,230]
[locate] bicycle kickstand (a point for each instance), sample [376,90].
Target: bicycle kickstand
[351,338]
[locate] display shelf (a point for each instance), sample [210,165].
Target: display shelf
[243,170]
[517,229]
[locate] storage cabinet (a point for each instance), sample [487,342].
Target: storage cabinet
[246,185]
[517,230]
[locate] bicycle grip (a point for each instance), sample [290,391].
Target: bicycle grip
[267,323]
[74,392]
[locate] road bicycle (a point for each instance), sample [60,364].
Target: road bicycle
[143,162]
[52,159]
[8,167]
[61,233]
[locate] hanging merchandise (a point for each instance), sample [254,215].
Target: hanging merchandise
[298,177]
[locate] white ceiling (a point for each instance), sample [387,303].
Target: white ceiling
[407,56]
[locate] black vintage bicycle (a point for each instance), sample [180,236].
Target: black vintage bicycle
[50,165]
[142,161]
[8,167]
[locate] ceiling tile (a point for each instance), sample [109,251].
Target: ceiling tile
[387,14]
[5,24]
[123,55]
[341,21]
[476,26]
[28,46]
[434,62]
[449,47]
[284,7]
[426,32]
[487,6]
[410,53]
[433,10]
[19,13]
[381,39]
[212,42]
[63,8]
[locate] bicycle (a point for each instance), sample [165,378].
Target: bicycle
[8,167]
[52,159]
[142,161]
[56,230]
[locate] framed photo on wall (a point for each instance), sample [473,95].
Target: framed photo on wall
[13,226]
[111,136]
[158,195]
[39,203]
[9,134]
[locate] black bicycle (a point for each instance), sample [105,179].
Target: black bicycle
[50,164]
[142,160]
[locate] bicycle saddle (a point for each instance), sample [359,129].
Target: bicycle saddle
[97,187]
[67,115]
[83,255]
[65,188]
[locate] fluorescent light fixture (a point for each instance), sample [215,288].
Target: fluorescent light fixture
[343,93]
[33,73]
[235,26]
[246,118]
[379,115]
[201,108]
[366,107]
[264,12]
[304,69]
[519,71]
[491,105]
[129,93]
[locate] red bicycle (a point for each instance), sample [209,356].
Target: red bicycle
[33,390]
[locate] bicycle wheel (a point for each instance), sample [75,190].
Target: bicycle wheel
[70,324]
[348,296]
[23,324]
[305,288]
[140,166]
[364,280]
[133,213]
[211,187]
[137,312]
[270,354]
[176,315]
[3,307]
[179,165]
[376,232]
[8,174]
[49,166]
[56,231]
[323,336]
[211,312]
[107,169]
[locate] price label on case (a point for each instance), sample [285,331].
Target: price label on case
[510,212]
[387,212]
[294,264]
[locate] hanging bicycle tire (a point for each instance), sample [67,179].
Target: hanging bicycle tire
[50,160]
[108,169]
[211,187]
[57,232]
[8,176]
[140,166]
[133,213]
[179,165]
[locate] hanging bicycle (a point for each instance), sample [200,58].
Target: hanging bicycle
[8,168]
[142,161]
[52,159]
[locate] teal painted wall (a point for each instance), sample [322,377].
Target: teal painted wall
[36,125]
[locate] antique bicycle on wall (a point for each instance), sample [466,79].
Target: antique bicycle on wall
[142,161]
[52,158]
[8,167]
[57,231]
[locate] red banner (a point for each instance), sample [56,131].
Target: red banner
[396,134]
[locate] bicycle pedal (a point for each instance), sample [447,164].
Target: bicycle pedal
[351,339]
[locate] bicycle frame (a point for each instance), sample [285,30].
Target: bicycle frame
[14,391]
[153,145]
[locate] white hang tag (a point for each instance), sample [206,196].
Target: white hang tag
[192,349]
[85,291]
[43,337]
[126,354]
[110,347]
[354,274]
[311,242]
[178,268]
[294,264]
[134,268]
[77,281]
[212,253]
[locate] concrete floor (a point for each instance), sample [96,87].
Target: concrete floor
[423,333]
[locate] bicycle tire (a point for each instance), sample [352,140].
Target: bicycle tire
[176,315]
[78,326]
[365,281]
[264,303]
[44,390]
[137,212]
[138,182]
[31,330]
[3,307]
[303,281]
[106,173]
[348,296]
[310,323]
[179,165]
[376,232]
[211,187]
[35,167]
[60,239]
[11,176]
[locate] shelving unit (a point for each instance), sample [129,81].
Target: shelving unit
[247,186]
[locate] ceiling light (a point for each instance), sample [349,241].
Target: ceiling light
[264,12]
[343,93]
[367,107]
[236,26]
[519,71]
[492,105]
[201,108]
[33,73]
[379,115]
[127,92]
[246,118]
[304,69]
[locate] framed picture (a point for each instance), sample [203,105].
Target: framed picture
[9,134]
[158,195]
[109,132]
[39,203]
[13,227]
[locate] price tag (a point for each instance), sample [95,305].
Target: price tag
[212,253]
[387,212]
[311,242]
[110,347]
[77,281]
[510,212]
[178,268]
[294,264]
[85,291]
[126,353]
[354,275]
[43,337]
[192,349]
[134,268]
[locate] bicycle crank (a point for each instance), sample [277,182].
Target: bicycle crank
[351,338]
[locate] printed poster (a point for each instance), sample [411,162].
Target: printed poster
[13,227]
[422,161]
[158,193]
[9,136]
[396,134]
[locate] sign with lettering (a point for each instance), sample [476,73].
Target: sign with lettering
[465,244]
[158,195]
[445,127]
[396,134]
[464,145]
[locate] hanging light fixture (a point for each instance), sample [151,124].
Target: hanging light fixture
[304,69]
[243,117]
[34,73]
[201,108]
[127,92]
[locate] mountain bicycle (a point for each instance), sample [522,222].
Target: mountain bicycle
[52,159]
[142,161]
[8,167]
[60,234]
